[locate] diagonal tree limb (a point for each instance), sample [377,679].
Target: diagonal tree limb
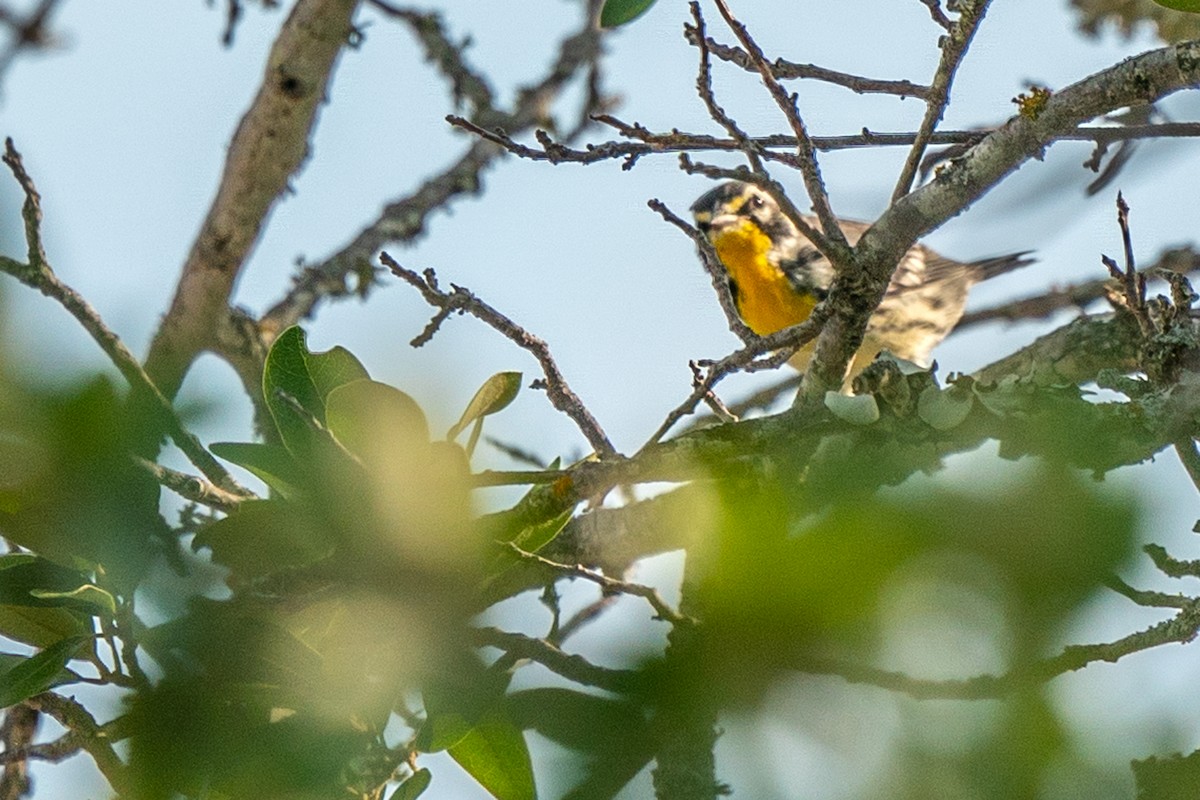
[269,147]
[1144,78]
[404,219]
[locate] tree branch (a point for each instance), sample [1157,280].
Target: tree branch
[270,145]
[1141,79]
[38,274]
[461,300]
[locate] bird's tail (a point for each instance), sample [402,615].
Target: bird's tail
[991,267]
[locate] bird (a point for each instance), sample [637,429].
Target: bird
[776,277]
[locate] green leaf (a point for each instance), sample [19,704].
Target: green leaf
[413,787]
[365,414]
[270,463]
[1190,6]
[306,377]
[495,754]
[88,595]
[619,12]
[265,536]
[495,395]
[37,673]
[64,676]
[40,627]
[857,409]
[535,537]
[22,573]
[586,722]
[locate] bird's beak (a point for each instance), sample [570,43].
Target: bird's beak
[707,222]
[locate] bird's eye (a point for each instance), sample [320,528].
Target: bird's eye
[754,202]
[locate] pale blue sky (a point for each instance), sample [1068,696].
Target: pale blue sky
[124,129]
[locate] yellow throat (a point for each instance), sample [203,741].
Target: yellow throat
[766,300]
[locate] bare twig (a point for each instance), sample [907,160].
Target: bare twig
[662,609]
[38,274]
[461,300]
[404,219]
[572,667]
[835,248]
[954,47]
[1132,283]
[744,360]
[491,477]
[1190,458]
[1146,598]
[466,84]
[1181,628]
[939,16]
[191,487]
[95,739]
[17,733]
[705,88]
[787,70]
[650,143]
[1172,567]
[28,32]
[716,274]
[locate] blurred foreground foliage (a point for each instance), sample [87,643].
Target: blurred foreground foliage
[344,644]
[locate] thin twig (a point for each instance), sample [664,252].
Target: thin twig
[954,47]
[95,739]
[744,360]
[1181,628]
[939,16]
[38,274]
[558,391]
[1190,458]
[517,477]
[1148,599]
[191,487]
[1132,283]
[836,248]
[573,667]
[705,88]
[649,142]
[788,70]
[1169,566]
[350,271]
[662,609]
[716,273]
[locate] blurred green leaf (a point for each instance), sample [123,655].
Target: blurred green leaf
[41,627]
[619,12]
[1174,777]
[586,722]
[266,536]
[1189,6]
[38,673]
[270,463]
[495,754]
[65,676]
[414,786]
[363,412]
[87,504]
[306,377]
